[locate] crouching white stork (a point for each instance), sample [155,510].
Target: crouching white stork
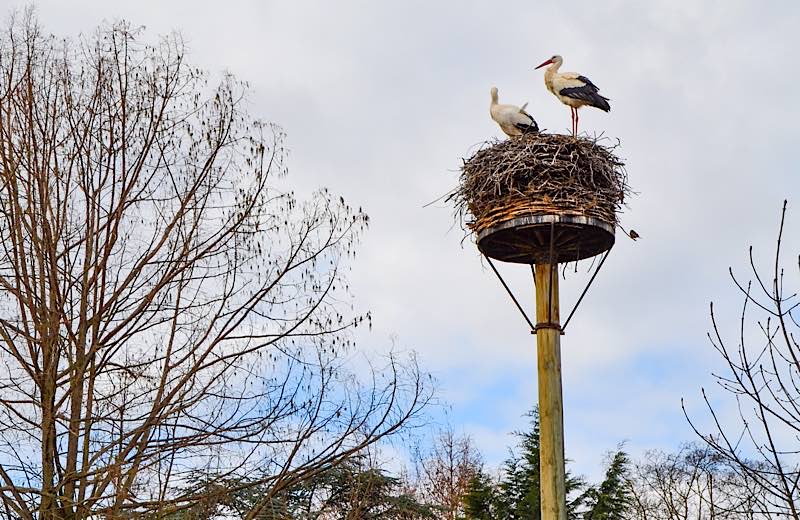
[572,89]
[513,120]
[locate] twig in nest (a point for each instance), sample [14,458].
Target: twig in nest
[540,174]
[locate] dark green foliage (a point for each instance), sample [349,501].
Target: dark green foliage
[233,494]
[352,489]
[480,501]
[519,489]
[516,496]
[357,489]
[612,499]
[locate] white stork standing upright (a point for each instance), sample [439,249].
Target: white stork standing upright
[513,120]
[572,89]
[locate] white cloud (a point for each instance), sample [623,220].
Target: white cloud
[381,101]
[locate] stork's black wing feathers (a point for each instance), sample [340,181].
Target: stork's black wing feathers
[531,127]
[585,93]
[588,93]
[588,82]
[528,129]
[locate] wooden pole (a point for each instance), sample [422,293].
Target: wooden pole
[551,408]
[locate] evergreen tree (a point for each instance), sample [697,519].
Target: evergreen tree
[352,490]
[355,488]
[520,488]
[480,501]
[612,499]
[517,496]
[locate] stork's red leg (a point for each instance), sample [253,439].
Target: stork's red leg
[575,127]
[575,122]
[572,116]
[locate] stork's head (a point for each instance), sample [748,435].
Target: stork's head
[494,94]
[556,60]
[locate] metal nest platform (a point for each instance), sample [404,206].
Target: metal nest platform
[551,238]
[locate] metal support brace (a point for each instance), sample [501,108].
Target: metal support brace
[585,290]
[549,323]
[508,290]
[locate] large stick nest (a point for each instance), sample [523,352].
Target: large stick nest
[536,174]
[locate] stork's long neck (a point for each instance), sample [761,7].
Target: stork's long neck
[550,73]
[494,99]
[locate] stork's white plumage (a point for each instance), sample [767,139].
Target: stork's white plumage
[572,89]
[513,120]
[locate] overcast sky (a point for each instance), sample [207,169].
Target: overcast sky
[381,100]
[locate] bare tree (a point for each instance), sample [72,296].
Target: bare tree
[762,374]
[444,471]
[164,308]
[693,483]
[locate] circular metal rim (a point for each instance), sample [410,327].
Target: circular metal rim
[534,220]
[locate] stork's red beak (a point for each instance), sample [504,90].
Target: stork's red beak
[548,62]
